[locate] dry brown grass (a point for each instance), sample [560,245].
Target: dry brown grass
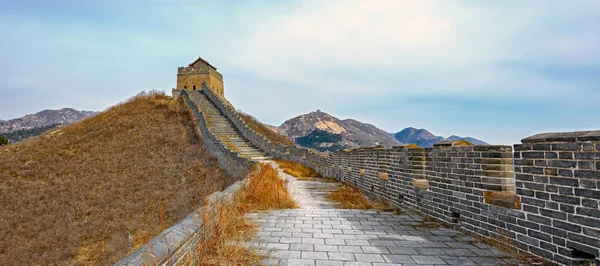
[297,170]
[263,130]
[89,192]
[350,197]
[223,245]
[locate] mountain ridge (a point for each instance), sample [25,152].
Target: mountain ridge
[44,118]
[324,132]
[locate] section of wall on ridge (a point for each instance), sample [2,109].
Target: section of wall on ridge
[554,211]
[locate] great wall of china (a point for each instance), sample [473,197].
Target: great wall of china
[543,196]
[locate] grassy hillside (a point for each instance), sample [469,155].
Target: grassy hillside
[265,131]
[90,192]
[23,134]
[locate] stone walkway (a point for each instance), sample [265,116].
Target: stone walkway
[319,234]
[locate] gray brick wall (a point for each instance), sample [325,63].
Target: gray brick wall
[552,180]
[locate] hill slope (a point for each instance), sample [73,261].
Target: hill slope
[86,193]
[44,118]
[426,139]
[22,134]
[354,133]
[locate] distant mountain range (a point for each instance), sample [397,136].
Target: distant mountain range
[35,124]
[321,131]
[426,139]
[353,134]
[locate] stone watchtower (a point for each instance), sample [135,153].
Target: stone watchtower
[196,73]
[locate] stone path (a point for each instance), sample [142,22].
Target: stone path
[319,234]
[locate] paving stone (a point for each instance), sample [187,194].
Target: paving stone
[278,246]
[314,241]
[376,250]
[341,256]
[399,258]
[357,263]
[330,263]
[369,257]
[314,255]
[327,236]
[353,249]
[302,247]
[427,259]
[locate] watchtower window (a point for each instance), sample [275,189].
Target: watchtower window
[194,87]
[185,87]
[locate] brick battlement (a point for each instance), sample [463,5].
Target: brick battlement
[543,195]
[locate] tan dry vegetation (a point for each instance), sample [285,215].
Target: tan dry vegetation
[350,197]
[264,191]
[297,170]
[90,192]
[263,130]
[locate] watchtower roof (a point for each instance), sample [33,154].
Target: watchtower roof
[202,59]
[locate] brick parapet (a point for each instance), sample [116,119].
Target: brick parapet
[551,185]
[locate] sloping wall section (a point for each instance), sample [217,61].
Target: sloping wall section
[544,196]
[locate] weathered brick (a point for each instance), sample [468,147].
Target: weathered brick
[530,209]
[588,147]
[587,174]
[590,203]
[528,224]
[534,186]
[565,172]
[583,220]
[567,146]
[552,188]
[565,190]
[587,155]
[540,235]
[559,240]
[532,154]
[522,147]
[585,165]
[531,201]
[566,199]
[585,183]
[567,208]
[553,231]
[543,147]
[589,212]
[524,177]
[533,170]
[588,193]
[595,242]
[542,195]
[539,219]
[562,164]
[567,226]
[551,155]
[528,240]
[564,181]
[591,232]
[553,214]
[550,171]
[565,155]
[551,205]
[548,246]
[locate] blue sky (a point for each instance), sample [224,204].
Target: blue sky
[496,70]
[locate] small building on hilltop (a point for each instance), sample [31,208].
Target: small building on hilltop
[196,73]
